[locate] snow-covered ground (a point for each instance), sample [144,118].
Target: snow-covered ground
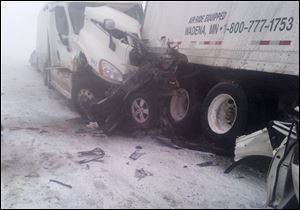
[43,136]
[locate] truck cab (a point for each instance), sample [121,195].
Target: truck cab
[82,47]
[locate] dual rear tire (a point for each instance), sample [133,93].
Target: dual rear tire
[221,115]
[224,113]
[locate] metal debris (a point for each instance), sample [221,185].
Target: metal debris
[63,184]
[141,173]
[95,155]
[136,155]
[208,163]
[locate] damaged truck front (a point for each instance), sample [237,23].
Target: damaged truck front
[93,54]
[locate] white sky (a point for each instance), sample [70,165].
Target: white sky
[18,28]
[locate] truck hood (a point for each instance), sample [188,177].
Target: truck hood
[123,22]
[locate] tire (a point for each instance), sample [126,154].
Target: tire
[184,111]
[224,113]
[142,110]
[84,94]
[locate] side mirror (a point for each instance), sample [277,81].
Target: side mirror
[109,24]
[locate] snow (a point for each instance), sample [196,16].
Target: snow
[40,142]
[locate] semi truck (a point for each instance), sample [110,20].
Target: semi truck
[241,68]
[82,48]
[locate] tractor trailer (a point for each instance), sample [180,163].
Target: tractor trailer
[240,69]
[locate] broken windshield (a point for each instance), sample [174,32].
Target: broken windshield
[77,9]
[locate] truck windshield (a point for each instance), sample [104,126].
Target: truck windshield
[76,12]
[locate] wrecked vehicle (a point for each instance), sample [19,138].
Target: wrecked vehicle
[83,49]
[145,92]
[241,69]
[280,141]
[93,54]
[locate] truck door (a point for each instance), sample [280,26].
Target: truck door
[61,56]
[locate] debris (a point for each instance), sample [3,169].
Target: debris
[92,125]
[139,147]
[136,155]
[141,173]
[185,166]
[95,155]
[32,175]
[208,163]
[43,131]
[32,129]
[97,151]
[98,159]
[63,184]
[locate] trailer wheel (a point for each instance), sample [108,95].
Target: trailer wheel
[142,110]
[183,110]
[224,113]
[84,95]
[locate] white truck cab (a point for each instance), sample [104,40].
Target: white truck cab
[82,47]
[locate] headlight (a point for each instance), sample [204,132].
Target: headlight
[110,72]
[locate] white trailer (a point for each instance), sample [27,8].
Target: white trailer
[243,61]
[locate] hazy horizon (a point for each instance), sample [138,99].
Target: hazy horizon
[18,28]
